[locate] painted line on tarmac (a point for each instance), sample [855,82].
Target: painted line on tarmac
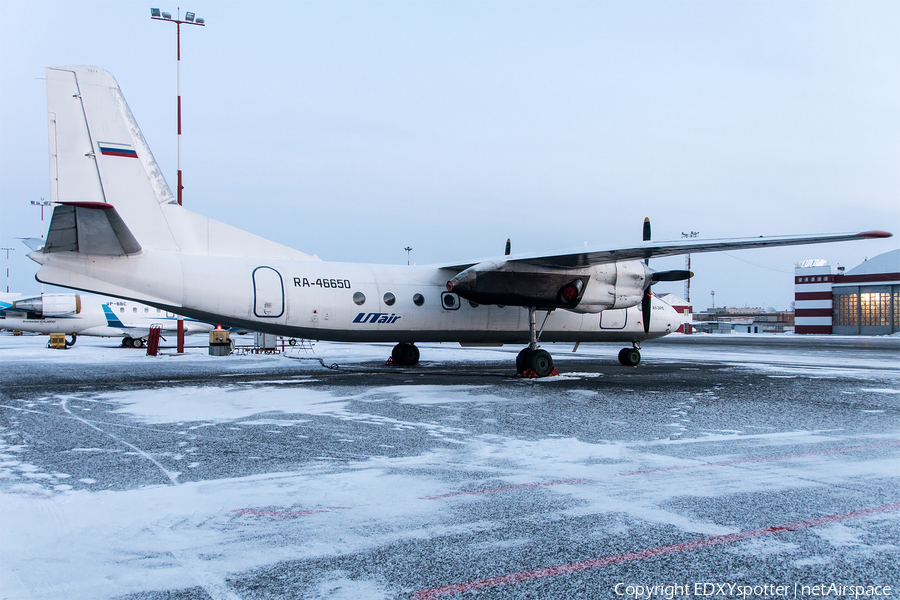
[479,584]
[724,463]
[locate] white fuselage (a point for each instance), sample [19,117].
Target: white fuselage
[350,301]
[131,319]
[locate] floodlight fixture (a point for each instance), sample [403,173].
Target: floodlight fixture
[200,21]
[189,17]
[167,15]
[154,12]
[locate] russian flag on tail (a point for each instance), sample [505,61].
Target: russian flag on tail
[111,149]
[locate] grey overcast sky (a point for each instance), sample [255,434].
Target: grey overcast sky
[354,129]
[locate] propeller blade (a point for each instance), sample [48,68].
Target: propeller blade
[508,246]
[646,235]
[646,310]
[675,275]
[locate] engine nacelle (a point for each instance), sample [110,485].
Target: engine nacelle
[51,305]
[615,285]
[585,290]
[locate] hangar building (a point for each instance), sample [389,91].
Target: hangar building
[862,301]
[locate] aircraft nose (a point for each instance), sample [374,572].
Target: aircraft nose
[674,317]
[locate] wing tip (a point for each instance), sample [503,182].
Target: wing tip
[875,233]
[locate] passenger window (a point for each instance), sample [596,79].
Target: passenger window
[359,298]
[389,298]
[418,299]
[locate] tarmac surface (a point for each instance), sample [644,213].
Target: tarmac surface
[720,467]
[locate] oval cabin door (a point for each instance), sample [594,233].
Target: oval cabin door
[268,293]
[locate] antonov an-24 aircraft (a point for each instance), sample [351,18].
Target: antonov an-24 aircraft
[117,230]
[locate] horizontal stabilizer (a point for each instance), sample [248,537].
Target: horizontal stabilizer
[89,228]
[33,243]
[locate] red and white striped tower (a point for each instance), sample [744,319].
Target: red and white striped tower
[157,15]
[813,297]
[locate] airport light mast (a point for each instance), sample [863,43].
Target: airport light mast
[189,19]
[42,204]
[688,327]
[8,250]
[687,265]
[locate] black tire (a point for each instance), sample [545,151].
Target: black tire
[137,343]
[395,354]
[521,359]
[630,357]
[126,342]
[540,362]
[409,354]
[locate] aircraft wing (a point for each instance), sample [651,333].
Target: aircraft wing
[587,258]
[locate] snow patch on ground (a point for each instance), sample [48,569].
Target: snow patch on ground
[217,404]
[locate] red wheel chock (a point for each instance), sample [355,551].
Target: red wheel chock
[529,374]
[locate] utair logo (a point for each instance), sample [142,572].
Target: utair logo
[375,318]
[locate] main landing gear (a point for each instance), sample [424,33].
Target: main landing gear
[404,354]
[532,361]
[130,342]
[630,357]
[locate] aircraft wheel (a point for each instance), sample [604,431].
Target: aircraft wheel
[521,359]
[137,343]
[629,357]
[405,354]
[540,362]
[126,341]
[409,354]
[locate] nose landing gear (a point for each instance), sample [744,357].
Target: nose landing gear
[630,357]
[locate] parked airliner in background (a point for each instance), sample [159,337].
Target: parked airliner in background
[117,230]
[77,314]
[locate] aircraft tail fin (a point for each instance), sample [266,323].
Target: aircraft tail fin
[111,319]
[104,175]
[100,160]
